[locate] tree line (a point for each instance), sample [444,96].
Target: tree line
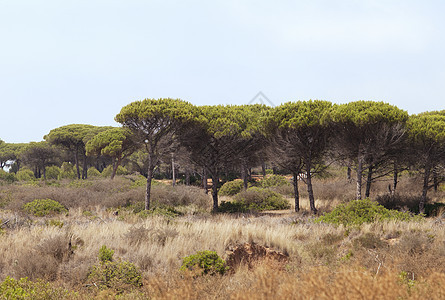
[375,139]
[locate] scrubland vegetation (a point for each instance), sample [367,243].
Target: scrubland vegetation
[93,239]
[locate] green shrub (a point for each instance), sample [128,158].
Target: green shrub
[25,289]
[119,275]
[67,170]
[25,174]
[44,207]
[93,172]
[274,180]
[105,254]
[358,212]
[232,207]
[55,223]
[108,170]
[231,188]
[52,172]
[7,176]
[205,262]
[262,199]
[165,211]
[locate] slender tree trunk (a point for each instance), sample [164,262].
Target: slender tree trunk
[349,174]
[85,167]
[187,176]
[204,181]
[115,166]
[149,178]
[244,175]
[76,161]
[435,181]
[173,172]
[395,180]
[369,181]
[426,180]
[215,180]
[296,193]
[359,178]
[44,172]
[310,190]
[263,168]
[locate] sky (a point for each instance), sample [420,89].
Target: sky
[79,62]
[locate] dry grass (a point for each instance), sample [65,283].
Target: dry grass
[374,261]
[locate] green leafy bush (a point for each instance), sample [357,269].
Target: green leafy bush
[358,212]
[44,207]
[67,170]
[165,211]
[93,172]
[231,188]
[274,180]
[105,254]
[52,172]
[205,262]
[25,289]
[119,275]
[25,175]
[262,199]
[8,177]
[108,170]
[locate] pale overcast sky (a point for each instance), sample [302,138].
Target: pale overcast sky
[64,62]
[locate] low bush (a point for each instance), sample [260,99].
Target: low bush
[274,180]
[25,175]
[26,289]
[231,188]
[204,262]
[262,199]
[255,199]
[67,170]
[358,212]
[119,275]
[8,177]
[93,172]
[108,170]
[44,207]
[52,172]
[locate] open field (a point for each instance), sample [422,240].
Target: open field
[380,260]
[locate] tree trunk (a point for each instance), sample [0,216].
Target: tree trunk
[76,161]
[149,178]
[187,177]
[435,181]
[204,181]
[369,181]
[359,178]
[85,167]
[44,172]
[244,176]
[115,166]
[263,168]
[349,174]
[173,172]
[395,180]
[426,180]
[215,180]
[310,190]
[296,193]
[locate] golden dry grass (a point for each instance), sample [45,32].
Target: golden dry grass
[374,261]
